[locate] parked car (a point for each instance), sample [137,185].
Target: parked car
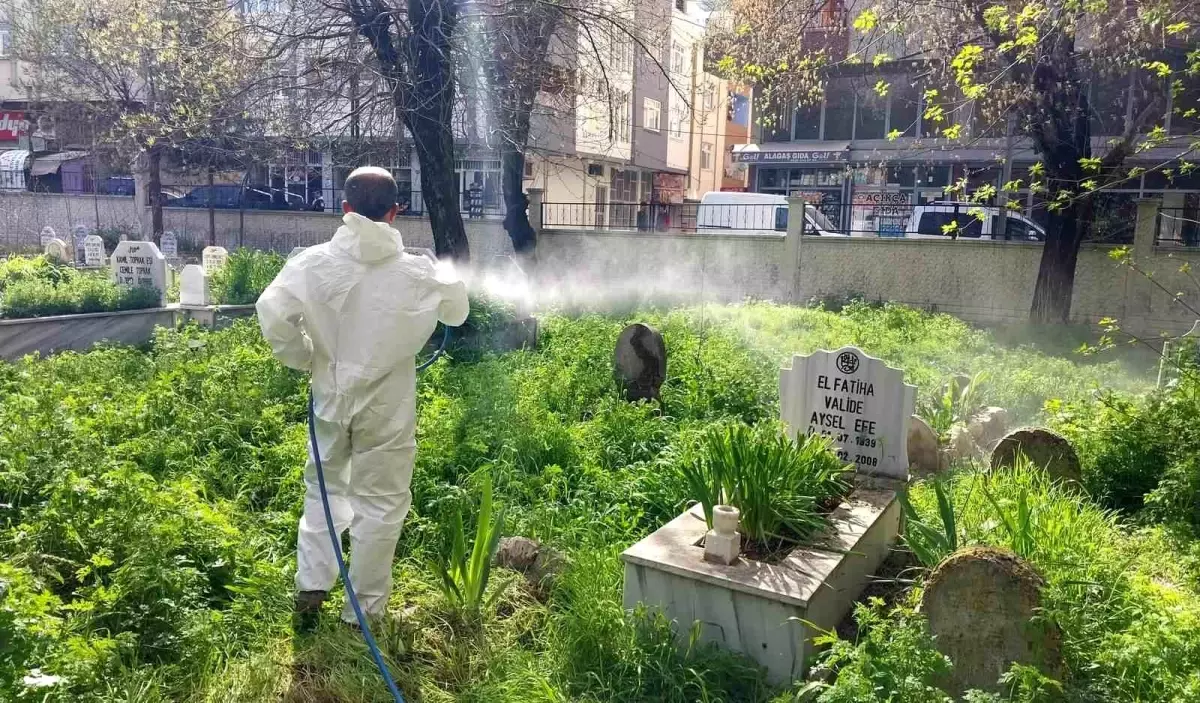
[929,222]
[225,197]
[756,212]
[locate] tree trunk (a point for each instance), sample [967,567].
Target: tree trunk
[212,210]
[516,203]
[154,166]
[429,111]
[1056,273]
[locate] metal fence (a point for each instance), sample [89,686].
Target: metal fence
[263,197]
[860,219]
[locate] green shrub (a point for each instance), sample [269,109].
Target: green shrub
[1139,454]
[245,276]
[38,288]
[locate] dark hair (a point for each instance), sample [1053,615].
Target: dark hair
[371,192]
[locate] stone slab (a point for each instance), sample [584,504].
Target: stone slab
[47,335]
[758,608]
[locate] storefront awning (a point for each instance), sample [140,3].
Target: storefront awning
[801,152]
[12,169]
[50,163]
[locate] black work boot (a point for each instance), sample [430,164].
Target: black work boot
[307,609]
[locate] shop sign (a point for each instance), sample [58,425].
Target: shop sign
[790,157]
[881,212]
[13,125]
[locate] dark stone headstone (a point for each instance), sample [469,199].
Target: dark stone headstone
[981,605]
[640,362]
[1044,449]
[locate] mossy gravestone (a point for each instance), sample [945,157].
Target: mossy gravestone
[924,455]
[1044,449]
[640,362]
[981,603]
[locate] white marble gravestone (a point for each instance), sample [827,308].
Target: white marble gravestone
[140,264]
[213,259]
[193,286]
[47,234]
[93,251]
[857,401]
[169,245]
[57,250]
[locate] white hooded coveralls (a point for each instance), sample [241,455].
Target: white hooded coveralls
[355,311]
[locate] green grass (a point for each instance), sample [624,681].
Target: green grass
[148,507]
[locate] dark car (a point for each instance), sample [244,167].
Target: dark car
[224,197]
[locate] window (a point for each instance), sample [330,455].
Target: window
[679,61]
[807,122]
[962,224]
[709,100]
[676,125]
[624,109]
[652,115]
[621,52]
[261,6]
[5,40]
[624,186]
[871,116]
[905,106]
[706,156]
[839,109]
[681,5]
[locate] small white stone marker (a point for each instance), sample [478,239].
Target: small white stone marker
[57,250]
[294,252]
[136,264]
[169,245]
[93,251]
[857,401]
[722,544]
[193,286]
[214,258]
[47,234]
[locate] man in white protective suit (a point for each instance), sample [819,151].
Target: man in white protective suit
[355,311]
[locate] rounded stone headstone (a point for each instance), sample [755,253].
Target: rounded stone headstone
[1043,448]
[57,250]
[46,235]
[980,603]
[923,454]
[640,362]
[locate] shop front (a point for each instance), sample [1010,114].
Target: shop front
[816,172]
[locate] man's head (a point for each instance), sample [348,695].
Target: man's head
[371,192]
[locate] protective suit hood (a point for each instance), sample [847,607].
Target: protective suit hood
[365,240]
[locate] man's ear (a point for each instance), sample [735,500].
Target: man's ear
[391,214]
[346,208]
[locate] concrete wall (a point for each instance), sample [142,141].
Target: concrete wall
[977,280]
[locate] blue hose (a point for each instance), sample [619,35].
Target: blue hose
[337,544]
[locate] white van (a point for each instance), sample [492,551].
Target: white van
[734,213]
[929,221]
